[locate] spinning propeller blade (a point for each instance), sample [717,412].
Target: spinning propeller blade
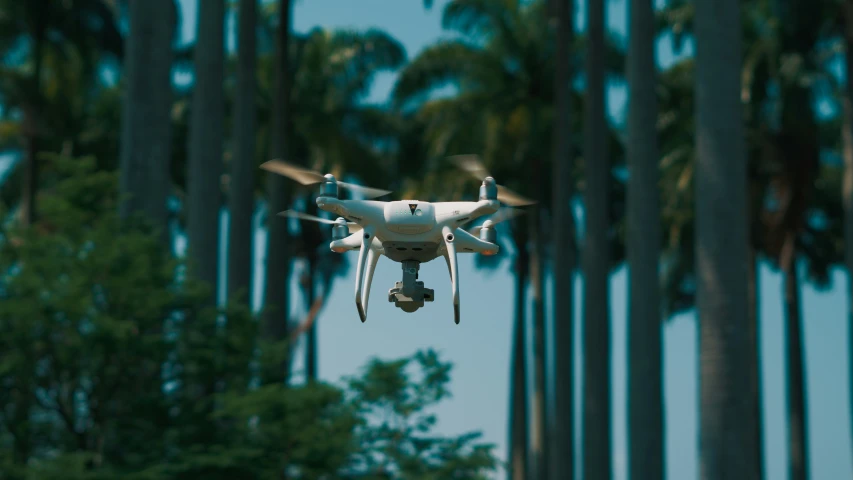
[310,177]
[502,215]
[474,166]
[353,227]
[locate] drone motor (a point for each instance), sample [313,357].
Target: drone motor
[329,186]
[489,189]
[340,230]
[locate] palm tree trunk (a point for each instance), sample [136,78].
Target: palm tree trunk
[32,119]
[798,467]
[518,459]
[311,347]
[276,293]
[205,144]
[539,436]
[847,188]
[727,426]
[242,184]
[755,364]
[596,261]
[645,369]
[146,135]
[563,247]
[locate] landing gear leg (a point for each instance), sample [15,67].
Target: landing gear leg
[450,256]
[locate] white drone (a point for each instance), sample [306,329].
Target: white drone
[407,231]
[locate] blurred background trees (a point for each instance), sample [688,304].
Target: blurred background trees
[121,356]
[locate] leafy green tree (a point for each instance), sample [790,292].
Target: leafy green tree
[97,307]
[87,28]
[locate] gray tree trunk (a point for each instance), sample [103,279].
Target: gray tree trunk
[146,134]
[276,293]
[755,364]
[518,458]
[539,424]
[241,199]
[563,247]
[847,189]
[205,143]
[645,370]
[727,438]
[798,458]
[596,259]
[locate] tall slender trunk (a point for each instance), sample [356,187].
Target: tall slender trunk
[32,122]
[146,125]
[311,338]
[205,144]
[539,435]
[847,188]
[563,247]
[755,363]
[518,458]
[241,198]
[798,467]
[276,288]
[645,369]
[727,427]
[596,260]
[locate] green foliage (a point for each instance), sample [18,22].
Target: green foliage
[113,366]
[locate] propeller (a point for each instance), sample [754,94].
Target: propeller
[353,227]
[473,165]
[310,177]
[502,215]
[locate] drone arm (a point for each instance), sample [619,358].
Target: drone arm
[372,259]
[366,239]
[466,242]
[450,256]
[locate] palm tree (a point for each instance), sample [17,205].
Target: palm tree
[242,179]
[563,237]
[847,135]
[722,247]
[333,131]
[85,27]
[276,294]
[645,369]
[205,143]
[596,258]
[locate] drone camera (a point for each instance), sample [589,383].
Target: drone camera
[411,300]
[410,294]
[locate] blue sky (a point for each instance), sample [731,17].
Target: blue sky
[480,345]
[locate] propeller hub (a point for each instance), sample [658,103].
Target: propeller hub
[329,187]
[340,230]
[487,232]
[489,189]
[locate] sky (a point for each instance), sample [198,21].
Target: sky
[479,346]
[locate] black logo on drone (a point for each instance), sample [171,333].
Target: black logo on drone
[412,207]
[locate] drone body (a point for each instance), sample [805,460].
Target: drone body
[409,232]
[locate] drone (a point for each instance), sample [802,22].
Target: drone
[410,232]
